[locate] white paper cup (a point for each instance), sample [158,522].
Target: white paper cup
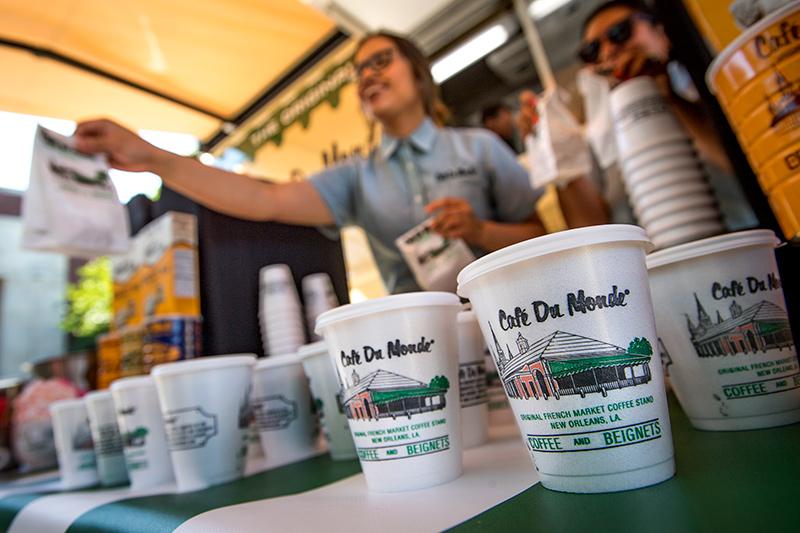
[687,233]
[286,327]
[643,203]
[279,305]
[205,403]
[397,358]
[569,321]
[679,177]
[676,205]
[318,288]
[284,349]
[276,296]
[658,153]
[632,92]
[255,452]
[325,390]
[642,118]
[276,281]
[141,425]
[73,439]
[279,314]
[276,272]
[472,381]
[285,336]
[721,314]
[318,297]
[689,216]
[282,409]
[107,440]
[285,346]
[662,168]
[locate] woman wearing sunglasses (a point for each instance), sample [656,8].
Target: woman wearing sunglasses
[623,39]
[467,180]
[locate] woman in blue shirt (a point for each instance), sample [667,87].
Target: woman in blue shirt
[466,179]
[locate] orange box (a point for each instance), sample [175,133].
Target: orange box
[785,202]
[126,305]
[169,278]
[109,357]
[131,355]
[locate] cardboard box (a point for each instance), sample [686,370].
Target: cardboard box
[126,278]
[169,271]
[109,359]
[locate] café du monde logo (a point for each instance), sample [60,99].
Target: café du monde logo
[384,394]
[563,364]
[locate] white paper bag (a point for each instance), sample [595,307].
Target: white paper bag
[71,205]
[556,149]
[434,260]
[599,126]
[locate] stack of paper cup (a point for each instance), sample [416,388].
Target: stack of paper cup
[472,381]
[206,409]
[569,320]
[326,392]
[280,312]
[398,360]
[664,178]
[318,296]
[142,428]
[73,439]
[107,440]
[282,410]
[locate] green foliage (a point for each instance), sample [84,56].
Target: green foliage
[640,346]
[88,312]
[440,382]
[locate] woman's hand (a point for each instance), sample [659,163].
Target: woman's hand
[455,219]
[125,150]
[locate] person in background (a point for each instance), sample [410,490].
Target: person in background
[466,180]
[499,119]
[623,39]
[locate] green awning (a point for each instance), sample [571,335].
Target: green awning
[567,367]
[765,328]
[391,395]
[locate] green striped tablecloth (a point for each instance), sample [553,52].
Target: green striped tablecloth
[725,482]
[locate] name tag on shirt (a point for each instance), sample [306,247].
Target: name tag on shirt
[458,172]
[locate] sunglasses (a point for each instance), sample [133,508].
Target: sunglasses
[377,62]
[618,34]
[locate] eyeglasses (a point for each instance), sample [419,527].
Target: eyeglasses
[618,34]
[377,61]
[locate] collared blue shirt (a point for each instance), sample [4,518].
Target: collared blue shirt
[386,193]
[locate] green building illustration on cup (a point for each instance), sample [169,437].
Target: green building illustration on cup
[762,326]
[384,394]
[136,438]
[562,364]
